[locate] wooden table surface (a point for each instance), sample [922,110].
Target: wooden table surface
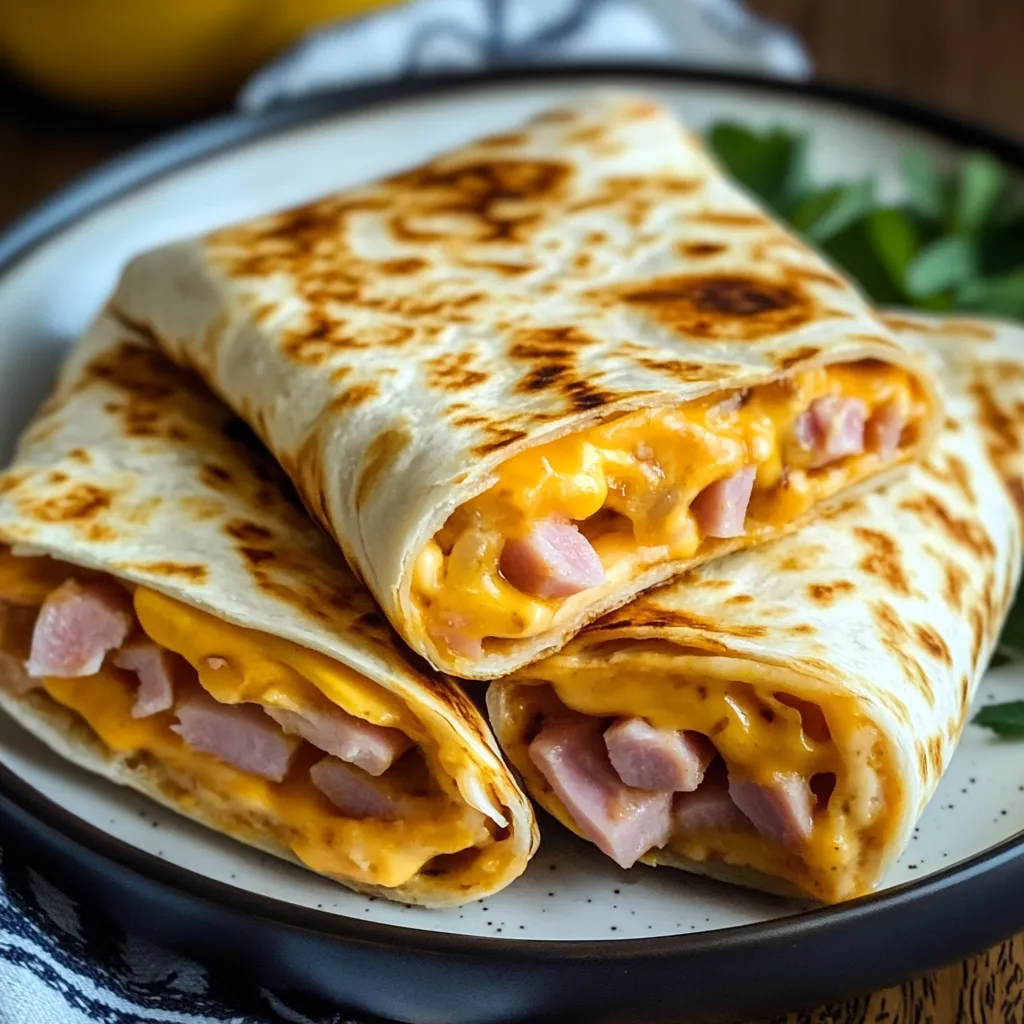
[960,55]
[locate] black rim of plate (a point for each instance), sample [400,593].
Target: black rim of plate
[121,175]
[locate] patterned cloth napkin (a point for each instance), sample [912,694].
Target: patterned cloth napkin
[445,35]
[61,963]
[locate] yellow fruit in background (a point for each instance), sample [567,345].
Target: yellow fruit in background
[154,55]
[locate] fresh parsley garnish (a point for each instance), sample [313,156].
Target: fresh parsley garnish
[955,241]
[1006,720]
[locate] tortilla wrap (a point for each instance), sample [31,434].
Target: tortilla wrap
[831,671]
[133,472]
[513,383]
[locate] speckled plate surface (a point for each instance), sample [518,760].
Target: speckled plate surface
[576,935]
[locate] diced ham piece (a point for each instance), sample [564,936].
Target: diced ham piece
[780,810]
[240,734]
[553,560]
[710,806]
[452,633]
[13,677]
[77,625]
[884,430]
[367,746]
[721,508]
[621,821]
[154,667]
[831,428]
[356,794]
[648,758]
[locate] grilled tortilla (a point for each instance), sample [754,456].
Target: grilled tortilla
[527,381]
[193,571]
[789,711]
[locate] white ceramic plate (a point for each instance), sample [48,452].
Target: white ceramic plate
[50,287]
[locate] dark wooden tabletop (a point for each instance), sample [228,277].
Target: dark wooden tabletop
[964,56]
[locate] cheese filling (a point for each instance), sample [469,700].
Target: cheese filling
[629,485]
[434,830]
[837,767]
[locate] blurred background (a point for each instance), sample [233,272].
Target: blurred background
[84,79]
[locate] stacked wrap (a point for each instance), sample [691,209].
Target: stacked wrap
[133,472]
[590,285]
[832,669]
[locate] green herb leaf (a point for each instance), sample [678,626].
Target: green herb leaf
[1001,296]
[982,182]
[736,146]
[942,303]
[772,165]
[1001,245]
[1000,657]
[956,242]
[946,263]
[1012,634]
[854,251]
[797,181]
[813,206]
[1006,720]
[923,186]
[823,214]
[896,242]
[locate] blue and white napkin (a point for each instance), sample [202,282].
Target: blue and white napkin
[445,35]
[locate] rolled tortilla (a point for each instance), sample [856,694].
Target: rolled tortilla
[527,381]
[213,651]
[780,717]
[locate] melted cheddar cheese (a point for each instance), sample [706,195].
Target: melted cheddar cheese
[628,484]
[238,665]
[758,731]
[28,581]
[384,853]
